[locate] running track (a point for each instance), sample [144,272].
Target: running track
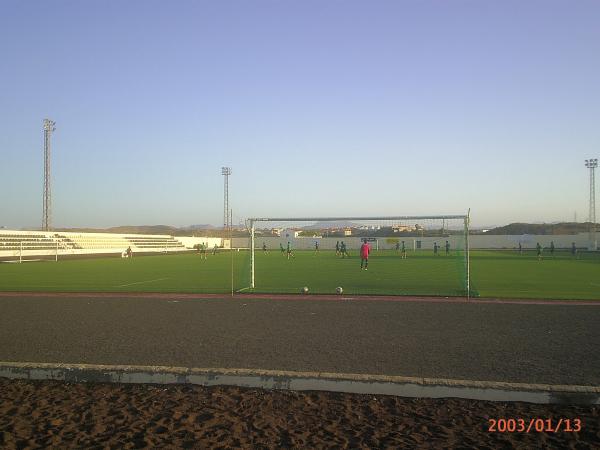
[543,342]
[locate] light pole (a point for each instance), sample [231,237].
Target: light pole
[226,171]
[49,127]
[592,164]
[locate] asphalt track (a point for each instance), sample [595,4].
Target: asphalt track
[530,342]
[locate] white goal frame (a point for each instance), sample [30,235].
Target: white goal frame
[465,217]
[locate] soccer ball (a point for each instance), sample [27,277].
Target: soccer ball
[305,290]
[339,290]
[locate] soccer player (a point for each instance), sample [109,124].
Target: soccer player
[290,252]
[364,255]
[316,247]
[203,247]
[539,251]
[343,251]
[447,248]
[281,248]
[552,248]
[129,252]
[214,251]
[398,246]
[265,248]
[337,248]
[403,250]
[435,249]
[520,249]
[573,250]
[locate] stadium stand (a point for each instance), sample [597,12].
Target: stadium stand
[164,242]
[14,243]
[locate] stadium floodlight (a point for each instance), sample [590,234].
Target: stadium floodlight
[49,127]
[592,164]
[226,171]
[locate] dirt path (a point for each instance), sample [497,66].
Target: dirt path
[46,414]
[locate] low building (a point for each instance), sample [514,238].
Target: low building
[402,228]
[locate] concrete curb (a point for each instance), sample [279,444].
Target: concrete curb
[306,381]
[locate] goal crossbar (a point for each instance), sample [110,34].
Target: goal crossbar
[330,219]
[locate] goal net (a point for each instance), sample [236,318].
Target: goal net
[408,255]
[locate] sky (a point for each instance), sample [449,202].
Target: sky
[321,108]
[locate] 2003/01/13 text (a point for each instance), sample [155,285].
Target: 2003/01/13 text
[534,425]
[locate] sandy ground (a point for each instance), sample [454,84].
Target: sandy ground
[51,414]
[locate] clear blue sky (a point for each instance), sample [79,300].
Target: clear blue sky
[320,108]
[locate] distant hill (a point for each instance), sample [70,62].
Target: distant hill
[210,230]
[205,226]
[143,229]
[542,228]
[125,229]
[202,230]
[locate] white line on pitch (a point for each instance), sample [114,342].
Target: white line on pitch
[140,282]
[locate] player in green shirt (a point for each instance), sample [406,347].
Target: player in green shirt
[290,252]
[539,251]
[403,250]
[343,251]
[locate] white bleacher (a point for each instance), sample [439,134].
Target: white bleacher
[16,243]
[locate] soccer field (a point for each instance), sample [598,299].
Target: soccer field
[503,274]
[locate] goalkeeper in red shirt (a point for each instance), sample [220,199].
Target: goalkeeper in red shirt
[364,255]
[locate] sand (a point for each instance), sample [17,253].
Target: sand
[51,414]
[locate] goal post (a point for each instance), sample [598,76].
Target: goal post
[416,255]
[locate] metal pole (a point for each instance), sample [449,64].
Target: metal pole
[468,263]
[226,171]
[21,252]
[232,255]
[592,164]
[593,205]
[56,259]
[252,254]
[49,127]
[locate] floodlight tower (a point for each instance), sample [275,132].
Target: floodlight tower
[226,171]
[49,127]
[592,164]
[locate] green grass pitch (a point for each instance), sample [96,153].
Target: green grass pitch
[503,274]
